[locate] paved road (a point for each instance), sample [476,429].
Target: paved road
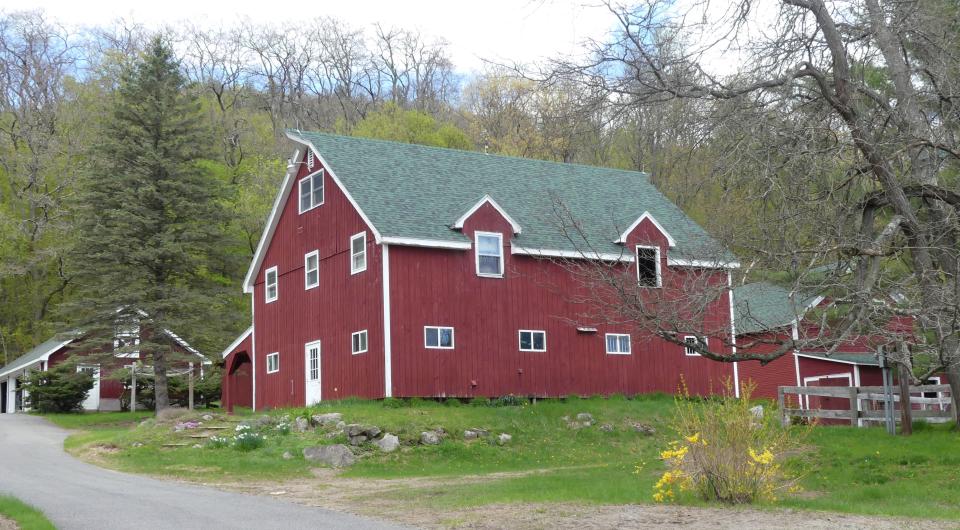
[76,495]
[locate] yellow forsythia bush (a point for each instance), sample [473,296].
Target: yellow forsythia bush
[726,453]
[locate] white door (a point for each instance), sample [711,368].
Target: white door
[313,372]
[93,397]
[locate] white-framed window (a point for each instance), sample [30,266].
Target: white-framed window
[271,290]
[92,369]
[311,160]
[273,362]
[125,341]
[311,191]
[489,250]
[533,340]
[311,270]
[438,337]
[690,341]
[358,342]
[618,344]
[358,253]
[648,266]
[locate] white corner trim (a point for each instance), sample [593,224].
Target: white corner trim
[644,216]
[428,243]
[387,349]
[795,335]
[458,225]
[733,337]
[236,342]
[253,346]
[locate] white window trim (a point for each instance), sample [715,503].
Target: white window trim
[306,360]
[531,331]
[366,341]
[686,350]
[453,338]
[310,177]
[306,270]
[266,284]
[476,252]
[606,343]
[636,255]
[361,235]
[274,355]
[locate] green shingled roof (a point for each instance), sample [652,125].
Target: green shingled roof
[415,191]
[37,353]
[763,306]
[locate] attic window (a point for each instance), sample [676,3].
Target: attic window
[311,191]
[648,266]
[125,341]
[310,160]
[489,251]
[270,289]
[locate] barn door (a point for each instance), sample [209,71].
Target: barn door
[93,397]
[312,373]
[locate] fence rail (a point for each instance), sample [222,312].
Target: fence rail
[865,403]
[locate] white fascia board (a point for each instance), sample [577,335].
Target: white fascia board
[185,345]
[571,254]
[429,243]
[646,215]
[271,225]
[830,359]
[703,263]
[237,342]
[458,225]
[44,358]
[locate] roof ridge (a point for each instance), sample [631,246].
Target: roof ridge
[473,153]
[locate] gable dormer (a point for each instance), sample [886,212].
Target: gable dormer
[646,230]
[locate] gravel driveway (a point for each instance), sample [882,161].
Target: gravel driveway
[73,494]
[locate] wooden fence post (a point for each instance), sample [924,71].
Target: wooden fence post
[781,404]
[906,408]
[133,388]
[190,388]
[855,413]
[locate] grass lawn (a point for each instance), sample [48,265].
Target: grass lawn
[851,470]
[28,517]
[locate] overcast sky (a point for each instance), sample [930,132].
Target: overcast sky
[504,30]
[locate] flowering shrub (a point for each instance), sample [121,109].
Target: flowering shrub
[248,441]
[727,453]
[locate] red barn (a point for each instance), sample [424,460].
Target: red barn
[389,269]
[106,392]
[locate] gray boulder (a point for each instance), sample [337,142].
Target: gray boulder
[330,418]
[473,434]
[606,427]
[429,438]
[388,444]
[207,417]
[372,431]
[504,438]
[357,440]
[585,417]
[757,412]
[287,455]
[354,429]
[643,428]
[301,424]
[333,455]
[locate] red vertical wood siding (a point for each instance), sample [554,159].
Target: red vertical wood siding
[779,372]
[430,287]
[342,304]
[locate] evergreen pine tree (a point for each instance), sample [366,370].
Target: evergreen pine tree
[151,219]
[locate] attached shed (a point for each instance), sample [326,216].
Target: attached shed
[237,389]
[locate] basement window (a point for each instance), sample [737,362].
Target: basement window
[311,191]
[532,340]
[311,270]
[273,363]
[359,342]
[270,287]
[648,266]
[691,341]
[618,344]
[358,253]
[489,246]
[438,337]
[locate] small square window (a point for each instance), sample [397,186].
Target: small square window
[311,270]
[273,363]
[618,344]
[359,342]
[358,253]
[438,337]
[271,290]
[690,342]
[533,340]
[489,248]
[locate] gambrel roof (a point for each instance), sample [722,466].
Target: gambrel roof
[413,194]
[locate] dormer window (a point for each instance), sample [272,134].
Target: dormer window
[489,249]
[311,191]
[648,266]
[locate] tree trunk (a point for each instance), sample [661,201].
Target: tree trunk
[906,415]
[953,378]
[161,398]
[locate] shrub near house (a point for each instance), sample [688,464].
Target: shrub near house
[60,389]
